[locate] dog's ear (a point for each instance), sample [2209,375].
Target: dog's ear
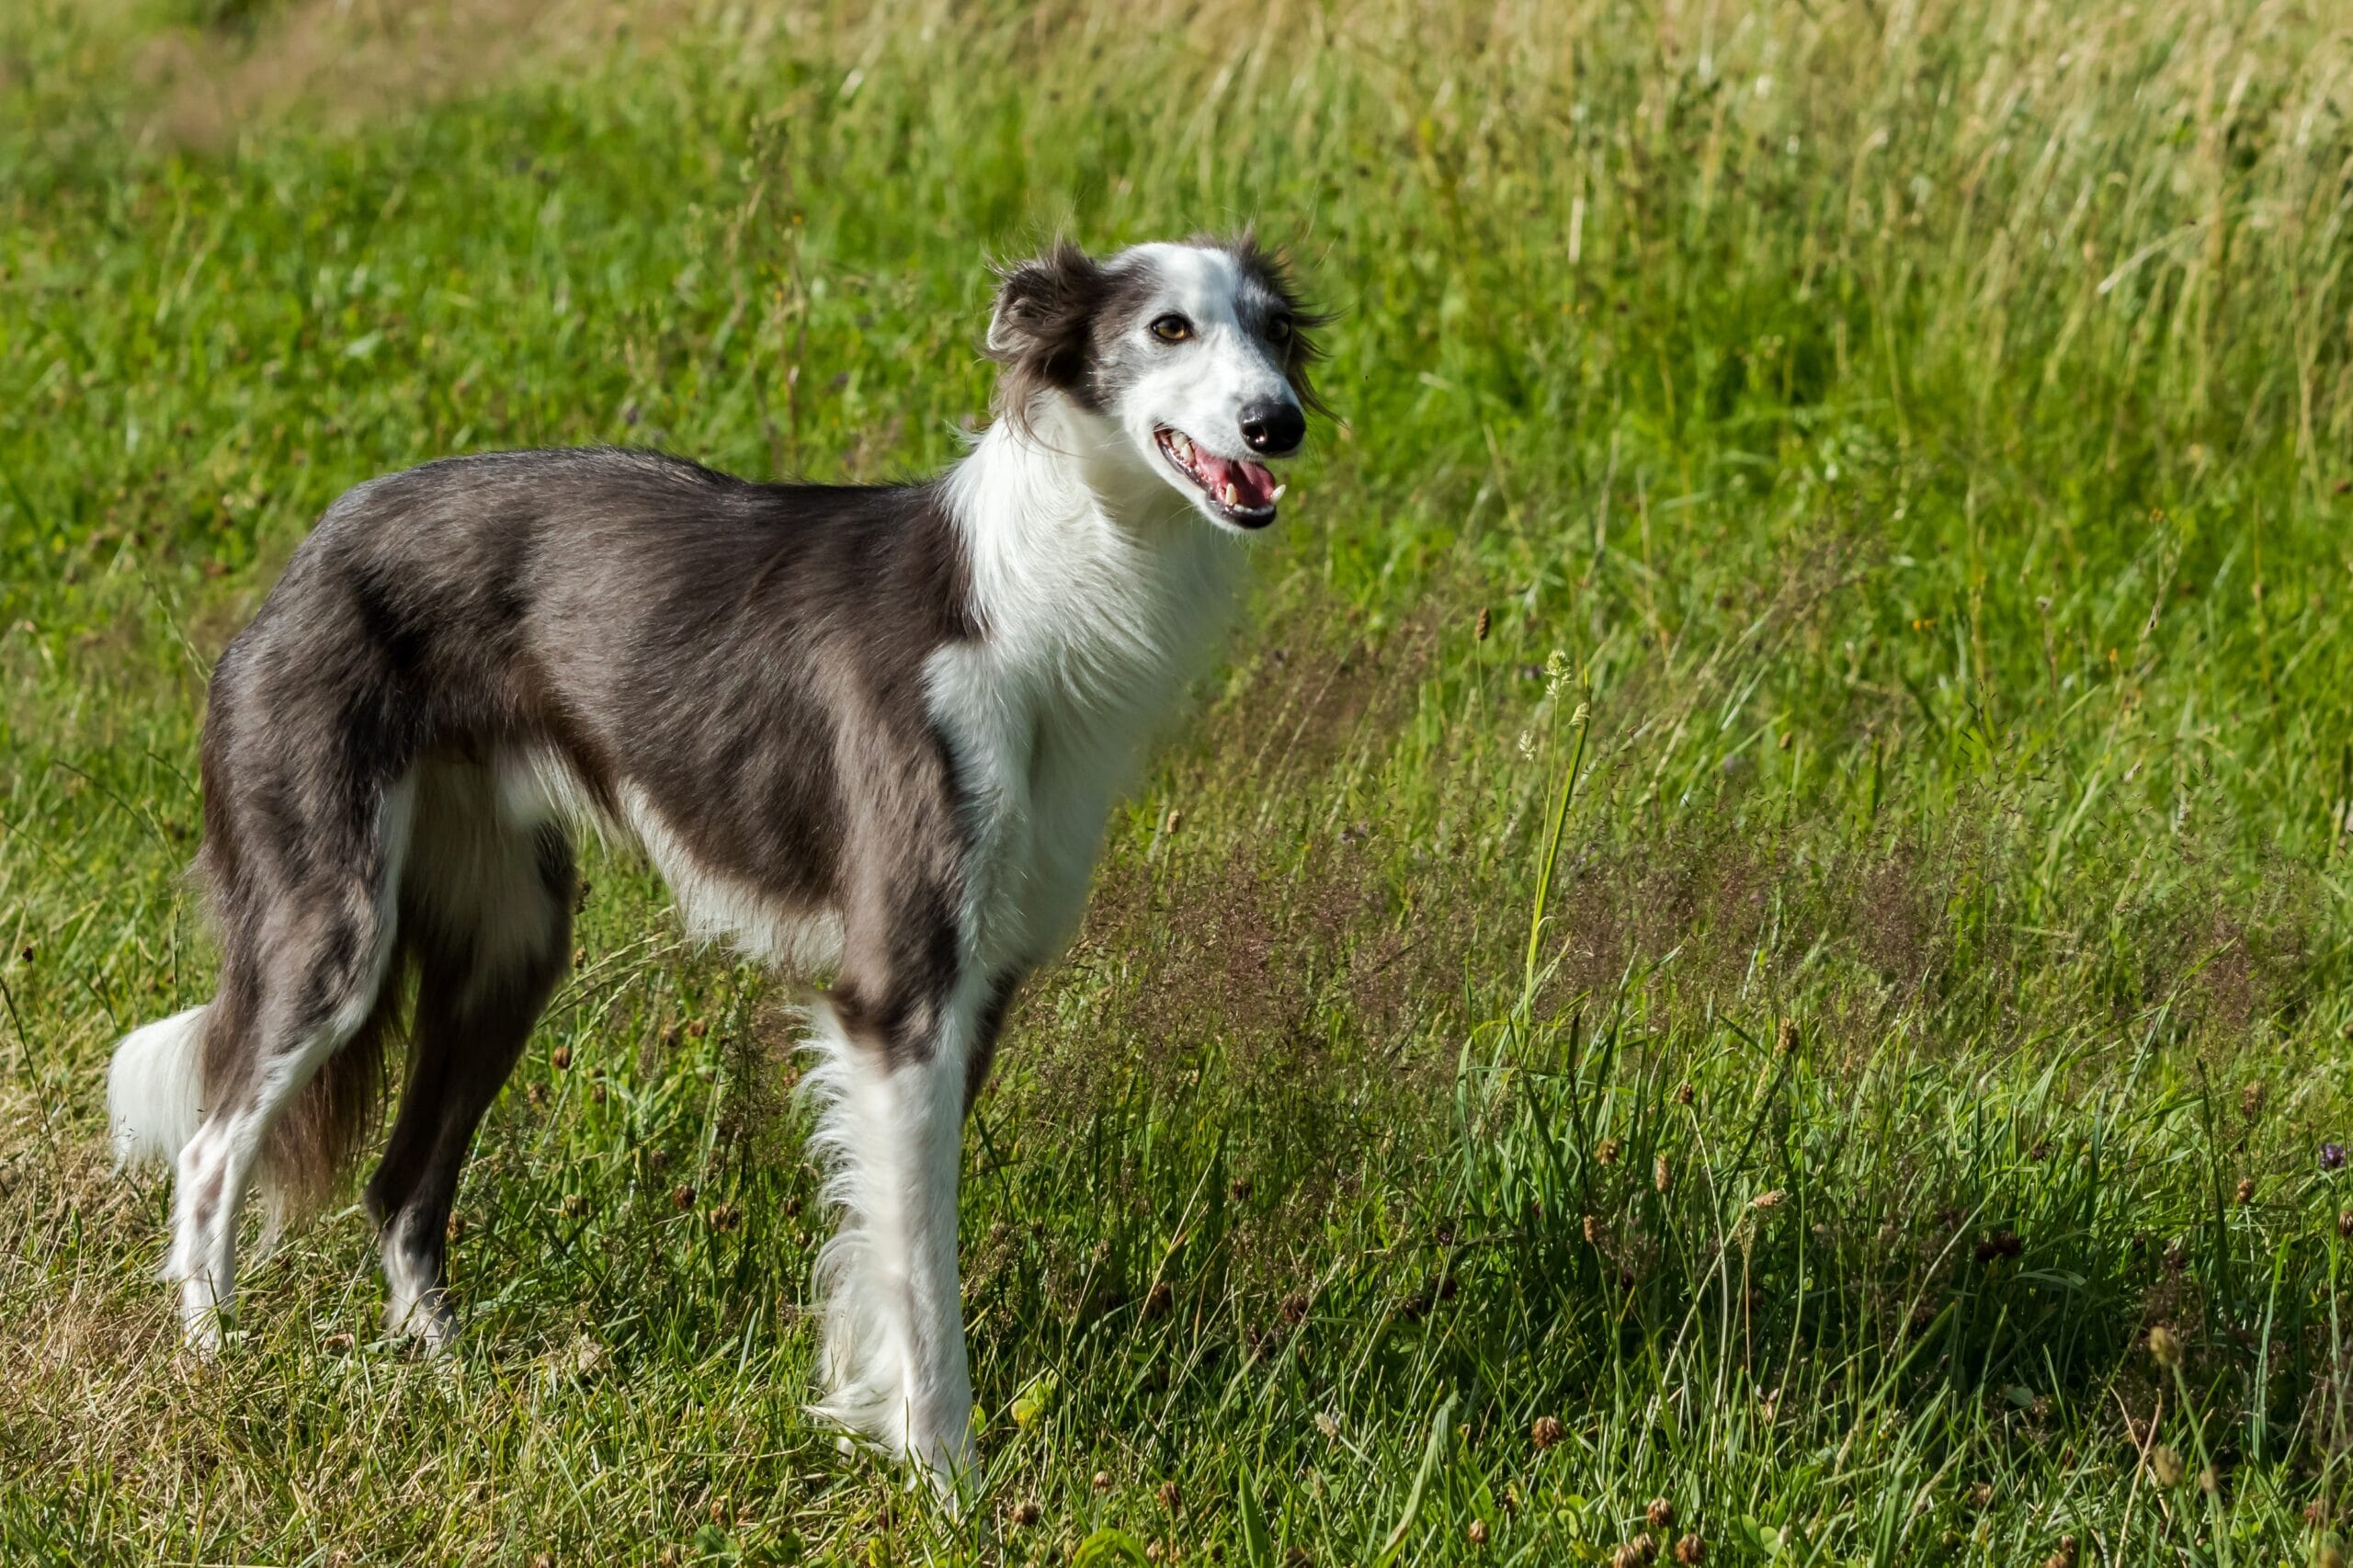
[1039,329]
[1272,271]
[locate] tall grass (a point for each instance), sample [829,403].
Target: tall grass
[1764,898]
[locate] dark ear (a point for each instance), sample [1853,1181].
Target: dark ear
[1271,269]
[1039,330]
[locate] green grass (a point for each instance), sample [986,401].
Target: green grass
[1767,885]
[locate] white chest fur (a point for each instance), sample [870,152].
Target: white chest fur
[1100,595]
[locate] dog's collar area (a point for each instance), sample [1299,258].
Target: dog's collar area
[1243,492]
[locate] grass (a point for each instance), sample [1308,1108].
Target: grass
[1764,898]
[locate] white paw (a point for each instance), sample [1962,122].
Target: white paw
[423,1316]
[201,1317]
[952,1465]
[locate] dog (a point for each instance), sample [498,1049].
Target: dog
[869,733]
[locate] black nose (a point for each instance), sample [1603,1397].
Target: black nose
[1274,428]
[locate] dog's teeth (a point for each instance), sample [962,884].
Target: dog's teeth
[1277,494]
[1184,447]
[1230,496]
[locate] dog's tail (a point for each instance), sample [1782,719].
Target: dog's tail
[155,1090]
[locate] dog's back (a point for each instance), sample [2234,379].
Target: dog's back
[461,659]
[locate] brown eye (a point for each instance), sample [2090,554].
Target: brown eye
[1172,329]
[1279,331]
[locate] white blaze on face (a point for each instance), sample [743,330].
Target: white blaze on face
[1185,409]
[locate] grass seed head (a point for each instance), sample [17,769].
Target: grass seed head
[1683,1092]
[2246,1194]
[1999,1244]
[1609,1152]
[2166,1466]
[2251,1101]
[1690,1552]
[1660,1515]
[1662,1177]
[1545,1432]
[1475,1532]
[2164,1347]
[1102,1481]
[1027,1513]
[559,1058]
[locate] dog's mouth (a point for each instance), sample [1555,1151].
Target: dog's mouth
[1242,492]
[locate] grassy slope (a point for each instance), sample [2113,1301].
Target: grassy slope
[1900,451]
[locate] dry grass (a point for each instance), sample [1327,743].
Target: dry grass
[345,64]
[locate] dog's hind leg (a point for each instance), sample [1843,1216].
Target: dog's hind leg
[487,909]
[306,956]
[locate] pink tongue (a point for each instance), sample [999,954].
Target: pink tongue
[1252,486]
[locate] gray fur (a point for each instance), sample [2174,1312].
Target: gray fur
[748,658]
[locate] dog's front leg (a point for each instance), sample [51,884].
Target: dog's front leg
[889,1081]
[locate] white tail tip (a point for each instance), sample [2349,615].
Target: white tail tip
[153,1094]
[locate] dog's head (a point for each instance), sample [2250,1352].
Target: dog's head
[1193,358]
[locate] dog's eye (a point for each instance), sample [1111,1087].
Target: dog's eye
[1279,331]
[1172,329]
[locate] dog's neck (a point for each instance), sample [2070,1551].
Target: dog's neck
[1086,563]
[1061,514]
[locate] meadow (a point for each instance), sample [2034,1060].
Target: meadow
[1762,901]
